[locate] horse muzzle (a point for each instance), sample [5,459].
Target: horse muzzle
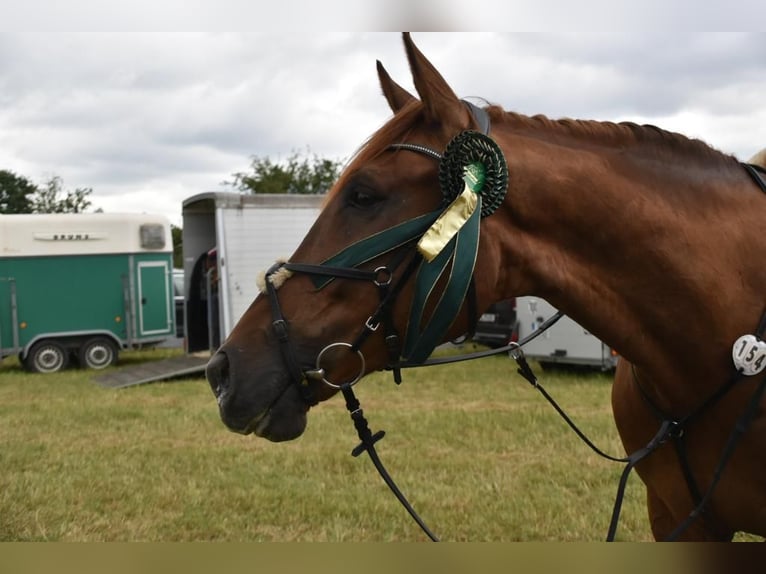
[268,406]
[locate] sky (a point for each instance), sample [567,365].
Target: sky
[148,119]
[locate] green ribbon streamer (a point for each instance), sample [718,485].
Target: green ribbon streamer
[459,256]
[378,244]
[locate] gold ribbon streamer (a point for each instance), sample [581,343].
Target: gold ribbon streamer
[454,217]
[448,224]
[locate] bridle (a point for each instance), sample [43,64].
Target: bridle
[455,264]
[398,242]
[308,380]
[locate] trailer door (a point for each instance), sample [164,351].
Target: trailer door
[154,300]
[9,321]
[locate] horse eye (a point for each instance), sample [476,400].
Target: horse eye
[362,198]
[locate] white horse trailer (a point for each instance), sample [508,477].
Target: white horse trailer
[228,239]
[566,342]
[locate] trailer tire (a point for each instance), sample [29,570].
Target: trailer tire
[97,353]
[47,356]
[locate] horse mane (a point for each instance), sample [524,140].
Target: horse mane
[648,138]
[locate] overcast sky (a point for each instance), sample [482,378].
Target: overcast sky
[149,119]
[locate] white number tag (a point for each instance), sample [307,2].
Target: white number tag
[749,354]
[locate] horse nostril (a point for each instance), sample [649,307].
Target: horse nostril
[217,373]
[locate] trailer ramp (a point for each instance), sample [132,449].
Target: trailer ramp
[154,371]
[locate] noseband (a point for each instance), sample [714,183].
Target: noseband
[309,379]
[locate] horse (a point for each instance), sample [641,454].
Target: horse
[647,238]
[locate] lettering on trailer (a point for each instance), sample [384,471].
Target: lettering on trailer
[70,236]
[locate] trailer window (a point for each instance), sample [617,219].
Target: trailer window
[152,236]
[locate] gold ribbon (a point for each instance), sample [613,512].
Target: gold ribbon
[455,215]
[448,224]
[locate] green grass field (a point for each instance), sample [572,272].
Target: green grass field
[478,451]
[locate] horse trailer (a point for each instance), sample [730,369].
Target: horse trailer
[565,342]
[228,239]
[83,285]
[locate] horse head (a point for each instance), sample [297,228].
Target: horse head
[342,306]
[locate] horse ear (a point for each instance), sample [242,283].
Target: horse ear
[396,95]
[440,102]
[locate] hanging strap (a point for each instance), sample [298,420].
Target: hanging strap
[367,444]
[633,460]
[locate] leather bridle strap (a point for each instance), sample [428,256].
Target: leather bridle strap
[381,277]
[281,330]
[758,173]
[303,378]
[743,423]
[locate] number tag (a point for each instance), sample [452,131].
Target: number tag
[749,354]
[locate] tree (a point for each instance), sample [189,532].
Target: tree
[308,175]
[19,195]
[16,193]
[178,246]
[53,199]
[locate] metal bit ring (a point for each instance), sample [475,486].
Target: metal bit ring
[321,373]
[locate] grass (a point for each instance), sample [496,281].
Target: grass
[478,452]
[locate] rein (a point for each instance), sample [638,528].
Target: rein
[454,258]
[675,430]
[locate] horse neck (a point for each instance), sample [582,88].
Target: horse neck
[614,241]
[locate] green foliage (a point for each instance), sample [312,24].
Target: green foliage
[298,174]
[53,199]
[19,195]
[178,247]
[16,193]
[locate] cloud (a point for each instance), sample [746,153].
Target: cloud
[169,115]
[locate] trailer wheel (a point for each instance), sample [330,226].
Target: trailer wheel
[98,353]
[47,356]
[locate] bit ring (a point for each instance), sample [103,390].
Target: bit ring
[320,371]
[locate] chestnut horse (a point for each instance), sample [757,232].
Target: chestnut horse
[648,239]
